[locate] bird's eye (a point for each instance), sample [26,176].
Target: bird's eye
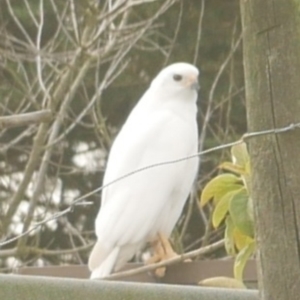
[177,77]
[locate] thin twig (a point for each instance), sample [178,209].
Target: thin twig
[178,25]
[199,32]
[212,91]
[168,262]
[43,252]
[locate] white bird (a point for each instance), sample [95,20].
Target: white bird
[135,210]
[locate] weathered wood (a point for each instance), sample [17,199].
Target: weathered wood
[272,75]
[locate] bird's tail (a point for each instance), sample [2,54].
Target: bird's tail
[106,267]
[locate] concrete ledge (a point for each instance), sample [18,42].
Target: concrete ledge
[182,273]
[18,287]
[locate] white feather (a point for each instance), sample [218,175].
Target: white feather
[107,266]
[162,127]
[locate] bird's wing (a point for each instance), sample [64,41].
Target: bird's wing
[132,205]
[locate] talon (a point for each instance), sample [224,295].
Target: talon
[162,250]
[167,248]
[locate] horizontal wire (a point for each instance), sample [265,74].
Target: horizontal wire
[79,200]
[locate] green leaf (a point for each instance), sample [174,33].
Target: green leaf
[241,260]
[218,187]
[222,208]
[240,155]
[229,166]
[241,240]
[223,282]
[247,177]
[229,239]
[250,209]
[238,210]
[248,167]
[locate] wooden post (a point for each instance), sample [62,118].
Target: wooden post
[271,31]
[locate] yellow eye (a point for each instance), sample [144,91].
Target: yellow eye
[177,77]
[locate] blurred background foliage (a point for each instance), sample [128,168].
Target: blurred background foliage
[42,43]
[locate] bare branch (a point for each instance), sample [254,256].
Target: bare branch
[212,91]
[42,116]
[199,31]
[46,158]
[169,262]
[43,252]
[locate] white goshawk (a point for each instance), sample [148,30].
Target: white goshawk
[139,208]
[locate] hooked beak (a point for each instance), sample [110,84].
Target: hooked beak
[195,86]
[192,83]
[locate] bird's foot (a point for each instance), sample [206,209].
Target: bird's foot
[162,251]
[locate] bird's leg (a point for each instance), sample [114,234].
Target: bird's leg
[162,250]
[167,248]
[157,252]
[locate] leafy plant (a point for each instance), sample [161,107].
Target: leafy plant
[230,194]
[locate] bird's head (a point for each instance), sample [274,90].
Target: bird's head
[178,78]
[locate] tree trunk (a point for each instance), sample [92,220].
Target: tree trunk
[272,76]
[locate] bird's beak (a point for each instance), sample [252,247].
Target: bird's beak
[193,83]
[195,86]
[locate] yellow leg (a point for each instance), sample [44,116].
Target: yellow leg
[162,251]
[167,248]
